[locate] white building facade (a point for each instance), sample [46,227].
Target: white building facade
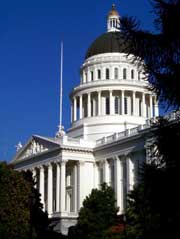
[110,113]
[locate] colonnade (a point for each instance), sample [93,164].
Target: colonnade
[119,172]
[114,102]
[62,185]
[59,187]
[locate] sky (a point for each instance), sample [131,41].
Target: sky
[30,36]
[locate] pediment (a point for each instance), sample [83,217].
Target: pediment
[35,146]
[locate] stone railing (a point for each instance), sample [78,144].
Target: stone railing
[133,131]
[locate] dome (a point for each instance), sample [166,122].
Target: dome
[109,42]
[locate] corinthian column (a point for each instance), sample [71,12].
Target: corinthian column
[89,104]
[122,102]
[50,189]
[63,187]
[111,98]
[119,184]
[57,187]
[99,103]
[80,183]
[80,106]
[151,106]
[75,109]
[41,184]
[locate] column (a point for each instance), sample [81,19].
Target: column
[50,189]
[96,176]
[75,188]
[89,104]
[80,106]
[156,108]
[63,187]
[131,173]
[41,184]
[134,103]
[111,99]
[34,175]
[57,187]
[99,103]
[72,113]
[122,102]
[106,172]
[75,109]
[119,185]
[143,105]
[151,106]
[111,73]
[80,184]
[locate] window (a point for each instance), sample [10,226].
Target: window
[125,106]
[107,74]
[116,105]
[116,73]
[92,76]
[99,74]
[132,74]
[107,109]
[124,74]
[140,108]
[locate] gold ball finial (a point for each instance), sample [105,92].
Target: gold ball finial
[113,11]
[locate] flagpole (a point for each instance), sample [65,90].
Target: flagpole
[61,87]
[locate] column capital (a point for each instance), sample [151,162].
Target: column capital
[80,162]
[63,162]
[41,167]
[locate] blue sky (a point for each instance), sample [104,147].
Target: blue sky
[30,35]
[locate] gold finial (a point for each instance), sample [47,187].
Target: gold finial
[113,11]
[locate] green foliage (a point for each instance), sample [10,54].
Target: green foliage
[96,216]
[14,203]
[161,50]
[21,214]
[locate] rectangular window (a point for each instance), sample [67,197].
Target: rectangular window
[107,106]
[116,73]
[116,105]
[124,74]
[99,74]
[107,74]
[92,76]
[125,105]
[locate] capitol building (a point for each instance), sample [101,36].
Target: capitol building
[108,139]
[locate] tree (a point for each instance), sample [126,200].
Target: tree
[96,216]
[160,51]
[153,206]
[21,214]
[14,203]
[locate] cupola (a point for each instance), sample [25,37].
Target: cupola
[113,20]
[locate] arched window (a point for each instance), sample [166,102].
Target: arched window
[99,74]
[116,73]
[132,74]
[107,73]
[124,74]
[107,109]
